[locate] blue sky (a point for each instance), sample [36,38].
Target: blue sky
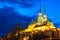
[23,11]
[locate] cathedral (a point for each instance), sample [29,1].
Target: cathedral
[42,23]
[40,29]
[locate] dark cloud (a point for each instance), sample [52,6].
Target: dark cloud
[9,18]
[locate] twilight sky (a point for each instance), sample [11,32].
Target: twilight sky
[21,12]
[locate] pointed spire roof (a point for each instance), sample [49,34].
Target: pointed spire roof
[44,11]
[45,16]
[40,9]
[40,12]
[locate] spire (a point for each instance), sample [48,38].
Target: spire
[45,16]
[40,12]
[40,9]
[39,21]
[44,11]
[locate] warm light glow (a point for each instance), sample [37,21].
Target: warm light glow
[50,38]
[36,31]
[20,32]
[45,16]
[32,32]
[30,28]
[16,33]
[54,29]
[51,25]
[43,30]
[26,38]
[58,29]
[37,28]
[41,26]
[9,35]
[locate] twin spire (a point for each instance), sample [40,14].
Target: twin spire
[40,18]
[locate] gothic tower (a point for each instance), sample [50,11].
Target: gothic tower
[45,16]
[39,17]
